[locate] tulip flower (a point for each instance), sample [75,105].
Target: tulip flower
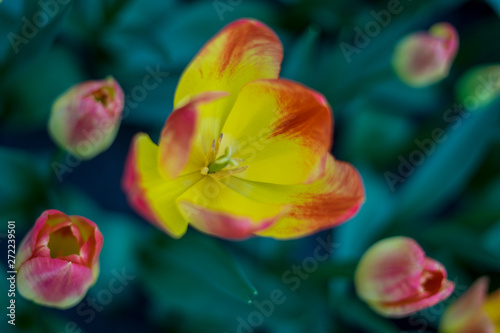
[479,86]
[243,153]
[85,119]
[396,279]
[424,58]
[58,260]
[474,311]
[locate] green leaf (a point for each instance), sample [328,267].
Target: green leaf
[30,46]
[407,100]
[10,13]
[174,287]
[26,113]
[448,169]
[467,245]
[336,268]
[360,315]
[23,185]
[300,63]
[367,121]
[492,238]
[205,258]
[495,4]
[355,236]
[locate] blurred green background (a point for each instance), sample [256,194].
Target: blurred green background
[449,203]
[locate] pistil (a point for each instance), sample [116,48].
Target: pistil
[217,166]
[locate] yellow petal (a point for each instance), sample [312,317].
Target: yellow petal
[280,129]
[466,314]
[180,146]
[215,209]
[244,51]
[492,308]
[152,196]
[325,203]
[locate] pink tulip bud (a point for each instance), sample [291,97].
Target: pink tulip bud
[85,119]
[58,260]
[424,58]
[396,279]
[474,311]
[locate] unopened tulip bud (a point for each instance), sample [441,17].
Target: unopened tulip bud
[474,311]
[424,58]
[85,119]
[479,86]
[396,279]
[58,260]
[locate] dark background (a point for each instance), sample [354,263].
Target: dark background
[449,202]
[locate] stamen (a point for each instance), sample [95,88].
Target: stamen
[217,165]
[217,145]
[211,154]
[227,172]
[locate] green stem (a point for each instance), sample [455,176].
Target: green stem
[57,156]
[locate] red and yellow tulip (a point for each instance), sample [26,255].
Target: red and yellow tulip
[85,119]
[243,153]
[396,279]
[424,58]
[58,260]
[474,311]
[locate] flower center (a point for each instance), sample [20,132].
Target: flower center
[103,95]
[431,281]
[63,243]
[220,166]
